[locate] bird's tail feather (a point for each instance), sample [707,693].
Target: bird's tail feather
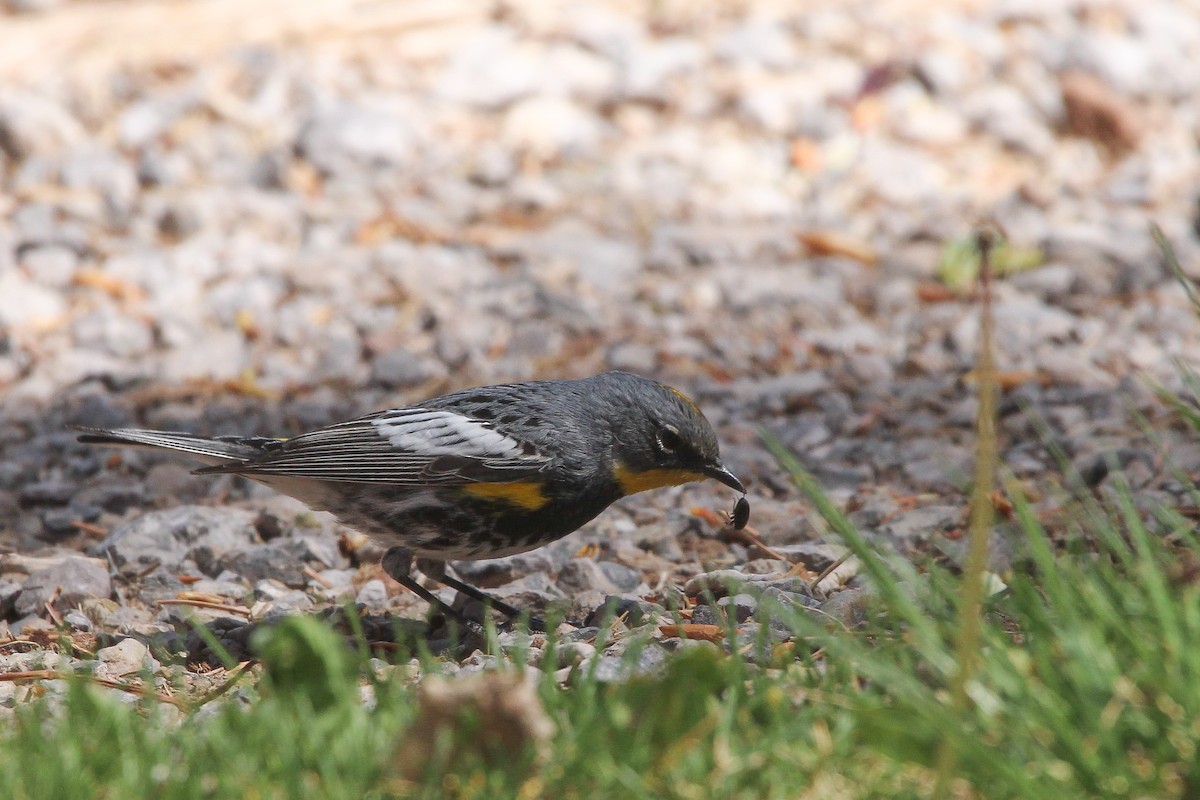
[210,450]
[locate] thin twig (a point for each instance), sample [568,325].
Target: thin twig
[825,573]
[89,528]
[239,610]
[49,605]
[52,675]
[316,576]
[748,535]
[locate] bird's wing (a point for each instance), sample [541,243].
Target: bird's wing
[402,447]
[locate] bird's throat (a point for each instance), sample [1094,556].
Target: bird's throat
[632,482]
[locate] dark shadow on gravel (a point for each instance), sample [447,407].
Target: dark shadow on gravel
[227,641]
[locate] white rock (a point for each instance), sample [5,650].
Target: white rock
[32,123]
[126,657]
[758,41]
[650,66]
[214,355]
[373,594]
[574,72]
[551,127]
[51,265]
[360,135]
[491,69]
[25,304]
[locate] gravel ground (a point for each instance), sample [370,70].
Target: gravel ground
[265,230]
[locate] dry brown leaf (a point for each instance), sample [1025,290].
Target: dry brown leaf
[806,155]
[836,243]
[1096,111]
[707,633]
[113,286]
[935,293]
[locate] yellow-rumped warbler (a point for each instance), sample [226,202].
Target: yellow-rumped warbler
[479,473]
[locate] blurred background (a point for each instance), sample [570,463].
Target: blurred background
[255,216]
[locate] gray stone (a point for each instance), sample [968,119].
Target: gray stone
[573,654]
[582,574]
[849,607]
[758,41]
[223,357]
[171,536]
[60,522]
[585,604]
[740,606]
[8,595]
[293,601]
[29,625]
[52,264]
[335,578]
[13,475]
[493,166]
[115,497]
[105,177]
[124,619]
[400,369]
[493,572]
[633,611]
[1131,65]
[651,67]
[281,559]
[357,137]
[142,122]
[921,523]
[225,585]
[34,660]
[53,492]
[754,641]
[633,357]
[624,578]
[717,583]
[270,589]
[126,657]
[74,579]
[537,585]
[773,600]
[33,123]
[373,595]
[612,668]
[552,127]
[319,550]
[792,584]
[780,393]
[490,70]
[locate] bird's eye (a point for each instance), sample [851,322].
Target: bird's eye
[668,439]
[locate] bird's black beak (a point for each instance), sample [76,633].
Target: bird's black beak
[718,472]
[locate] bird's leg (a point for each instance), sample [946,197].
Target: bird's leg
[397,562]
[437,571]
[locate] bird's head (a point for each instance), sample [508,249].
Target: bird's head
[661,438]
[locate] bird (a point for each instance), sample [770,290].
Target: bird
[478,473]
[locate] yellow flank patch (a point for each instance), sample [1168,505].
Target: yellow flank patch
[526,494]
[633,482]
